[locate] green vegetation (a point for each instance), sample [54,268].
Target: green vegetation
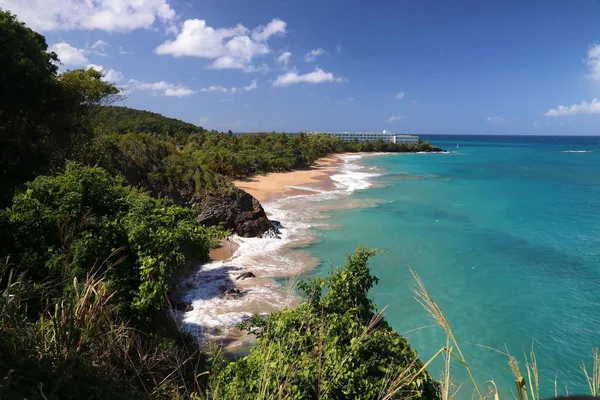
[86,221]
[335,345]
[100,210]
[232,155]
[125,120]
[44,117]
[157,166]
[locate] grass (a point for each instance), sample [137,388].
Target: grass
[78,348]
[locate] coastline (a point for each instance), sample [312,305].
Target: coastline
[274,185]
[249,276]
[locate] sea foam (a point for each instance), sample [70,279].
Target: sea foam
[215,316]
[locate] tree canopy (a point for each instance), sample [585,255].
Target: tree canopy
[125,120]
[43,115]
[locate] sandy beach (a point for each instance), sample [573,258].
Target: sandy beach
[249,276]
[274,185]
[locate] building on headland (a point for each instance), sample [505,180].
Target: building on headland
[387,137]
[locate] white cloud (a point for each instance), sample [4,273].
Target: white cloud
[203,120]
[123,51]
[222,89]
[313,54]
[99,47]
[415,101]
[230,48]
[349,99]
[495,120]
[317,76]
[284,59]
[400,96]
[582,108]
[395,118]
[107,15]
[254,68]
[339,49]
[111,75]
[161,88]
[593,61]
[69,55]
[97,67]
[215,89]
[252,86]
[275,27]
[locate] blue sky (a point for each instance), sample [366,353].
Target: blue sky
[423,67]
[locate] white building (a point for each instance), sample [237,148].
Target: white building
[387,137]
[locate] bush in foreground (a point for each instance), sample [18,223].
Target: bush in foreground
[335,345]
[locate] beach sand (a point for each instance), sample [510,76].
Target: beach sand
[223,251]
[274,185]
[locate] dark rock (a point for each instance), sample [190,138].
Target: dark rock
[245,275]
[277,225]
[231,292]
[237,211]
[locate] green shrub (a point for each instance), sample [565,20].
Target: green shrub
[333,346]
[86,220]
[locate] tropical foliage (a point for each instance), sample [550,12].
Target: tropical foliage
[85,221]
[125,120]
[44,117]
[335,345]
[235,155]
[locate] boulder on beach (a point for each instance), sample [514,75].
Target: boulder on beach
[237,211]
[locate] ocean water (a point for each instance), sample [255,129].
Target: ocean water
[505,234]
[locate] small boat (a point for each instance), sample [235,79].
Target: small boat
[457,145]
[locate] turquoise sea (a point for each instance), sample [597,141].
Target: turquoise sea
[504,232]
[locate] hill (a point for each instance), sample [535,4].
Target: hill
[117,119]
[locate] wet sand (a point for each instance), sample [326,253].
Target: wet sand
[223,251]
[275,185]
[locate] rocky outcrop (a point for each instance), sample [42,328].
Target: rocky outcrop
[237,211]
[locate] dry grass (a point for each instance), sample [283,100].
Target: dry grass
[593,381]
[527,388]
[82,329]
[423,297]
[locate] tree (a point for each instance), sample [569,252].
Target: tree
[43,116]
[28,80]
[82,94]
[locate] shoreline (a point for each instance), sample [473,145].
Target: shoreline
[275,185]
[247,276]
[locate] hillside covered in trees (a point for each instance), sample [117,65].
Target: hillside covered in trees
[238,155]
[102,207]
[114,119]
